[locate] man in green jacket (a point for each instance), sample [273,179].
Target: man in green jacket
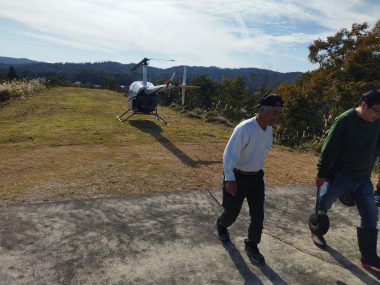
[349,150]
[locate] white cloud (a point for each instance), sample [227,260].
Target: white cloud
[343,13]
[262,41]
[198,32]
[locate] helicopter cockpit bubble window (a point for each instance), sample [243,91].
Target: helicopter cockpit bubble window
[145,103]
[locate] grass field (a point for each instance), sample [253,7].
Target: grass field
[66,143]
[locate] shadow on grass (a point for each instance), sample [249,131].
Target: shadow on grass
[155,131]
[359,273]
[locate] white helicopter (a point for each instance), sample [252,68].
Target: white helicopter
[143,95]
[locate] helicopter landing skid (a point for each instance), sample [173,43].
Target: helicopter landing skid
[159,118]
[121,116]
[154,113]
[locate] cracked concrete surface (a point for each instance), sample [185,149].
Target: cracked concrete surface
[169,238]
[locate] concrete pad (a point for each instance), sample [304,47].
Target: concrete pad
[170,239]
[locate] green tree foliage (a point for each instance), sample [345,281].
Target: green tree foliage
[203,96]
[349,64]
[12,73]
[229,98]
[110,83]
[2,78]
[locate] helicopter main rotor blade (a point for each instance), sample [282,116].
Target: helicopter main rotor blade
[146,60]
[162,59]
[189,86]
[143,61]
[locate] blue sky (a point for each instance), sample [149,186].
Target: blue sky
[271,34]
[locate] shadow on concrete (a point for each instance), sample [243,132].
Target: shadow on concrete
[244,270]
[155,131]
[271,275]
[374,273]
[240,264]
[346,263]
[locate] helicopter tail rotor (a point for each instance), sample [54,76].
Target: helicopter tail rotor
[171,80]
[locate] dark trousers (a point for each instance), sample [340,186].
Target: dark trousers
[252,188]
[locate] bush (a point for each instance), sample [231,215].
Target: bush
[211,113]
[175,106]
[4,95]
[20,88]
[193,114]
[198,111]
[219,120]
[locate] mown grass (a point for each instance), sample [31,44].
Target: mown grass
[67,116]
[67,143]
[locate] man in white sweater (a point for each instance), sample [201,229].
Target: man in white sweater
[243,161]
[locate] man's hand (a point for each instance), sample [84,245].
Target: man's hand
[231,187]
[319,181]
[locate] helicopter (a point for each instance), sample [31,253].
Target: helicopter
[143,95]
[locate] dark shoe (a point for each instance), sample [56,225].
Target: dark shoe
[367,241]
[369,265]
[319,241]
[222,232]
[253,252]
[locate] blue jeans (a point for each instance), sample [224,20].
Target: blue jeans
[361,190]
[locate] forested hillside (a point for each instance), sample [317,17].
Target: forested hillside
[12,60]
[115,74]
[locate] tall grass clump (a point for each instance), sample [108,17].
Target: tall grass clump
[20,88]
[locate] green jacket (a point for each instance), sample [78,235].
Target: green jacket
[350,146]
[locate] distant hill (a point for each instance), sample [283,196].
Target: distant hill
[98,72]
[12,60]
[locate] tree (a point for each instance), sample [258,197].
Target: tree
[203,96]
[12,73]
[349,64]
[332,51]
[110,83]
[230,98]
[363,62]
